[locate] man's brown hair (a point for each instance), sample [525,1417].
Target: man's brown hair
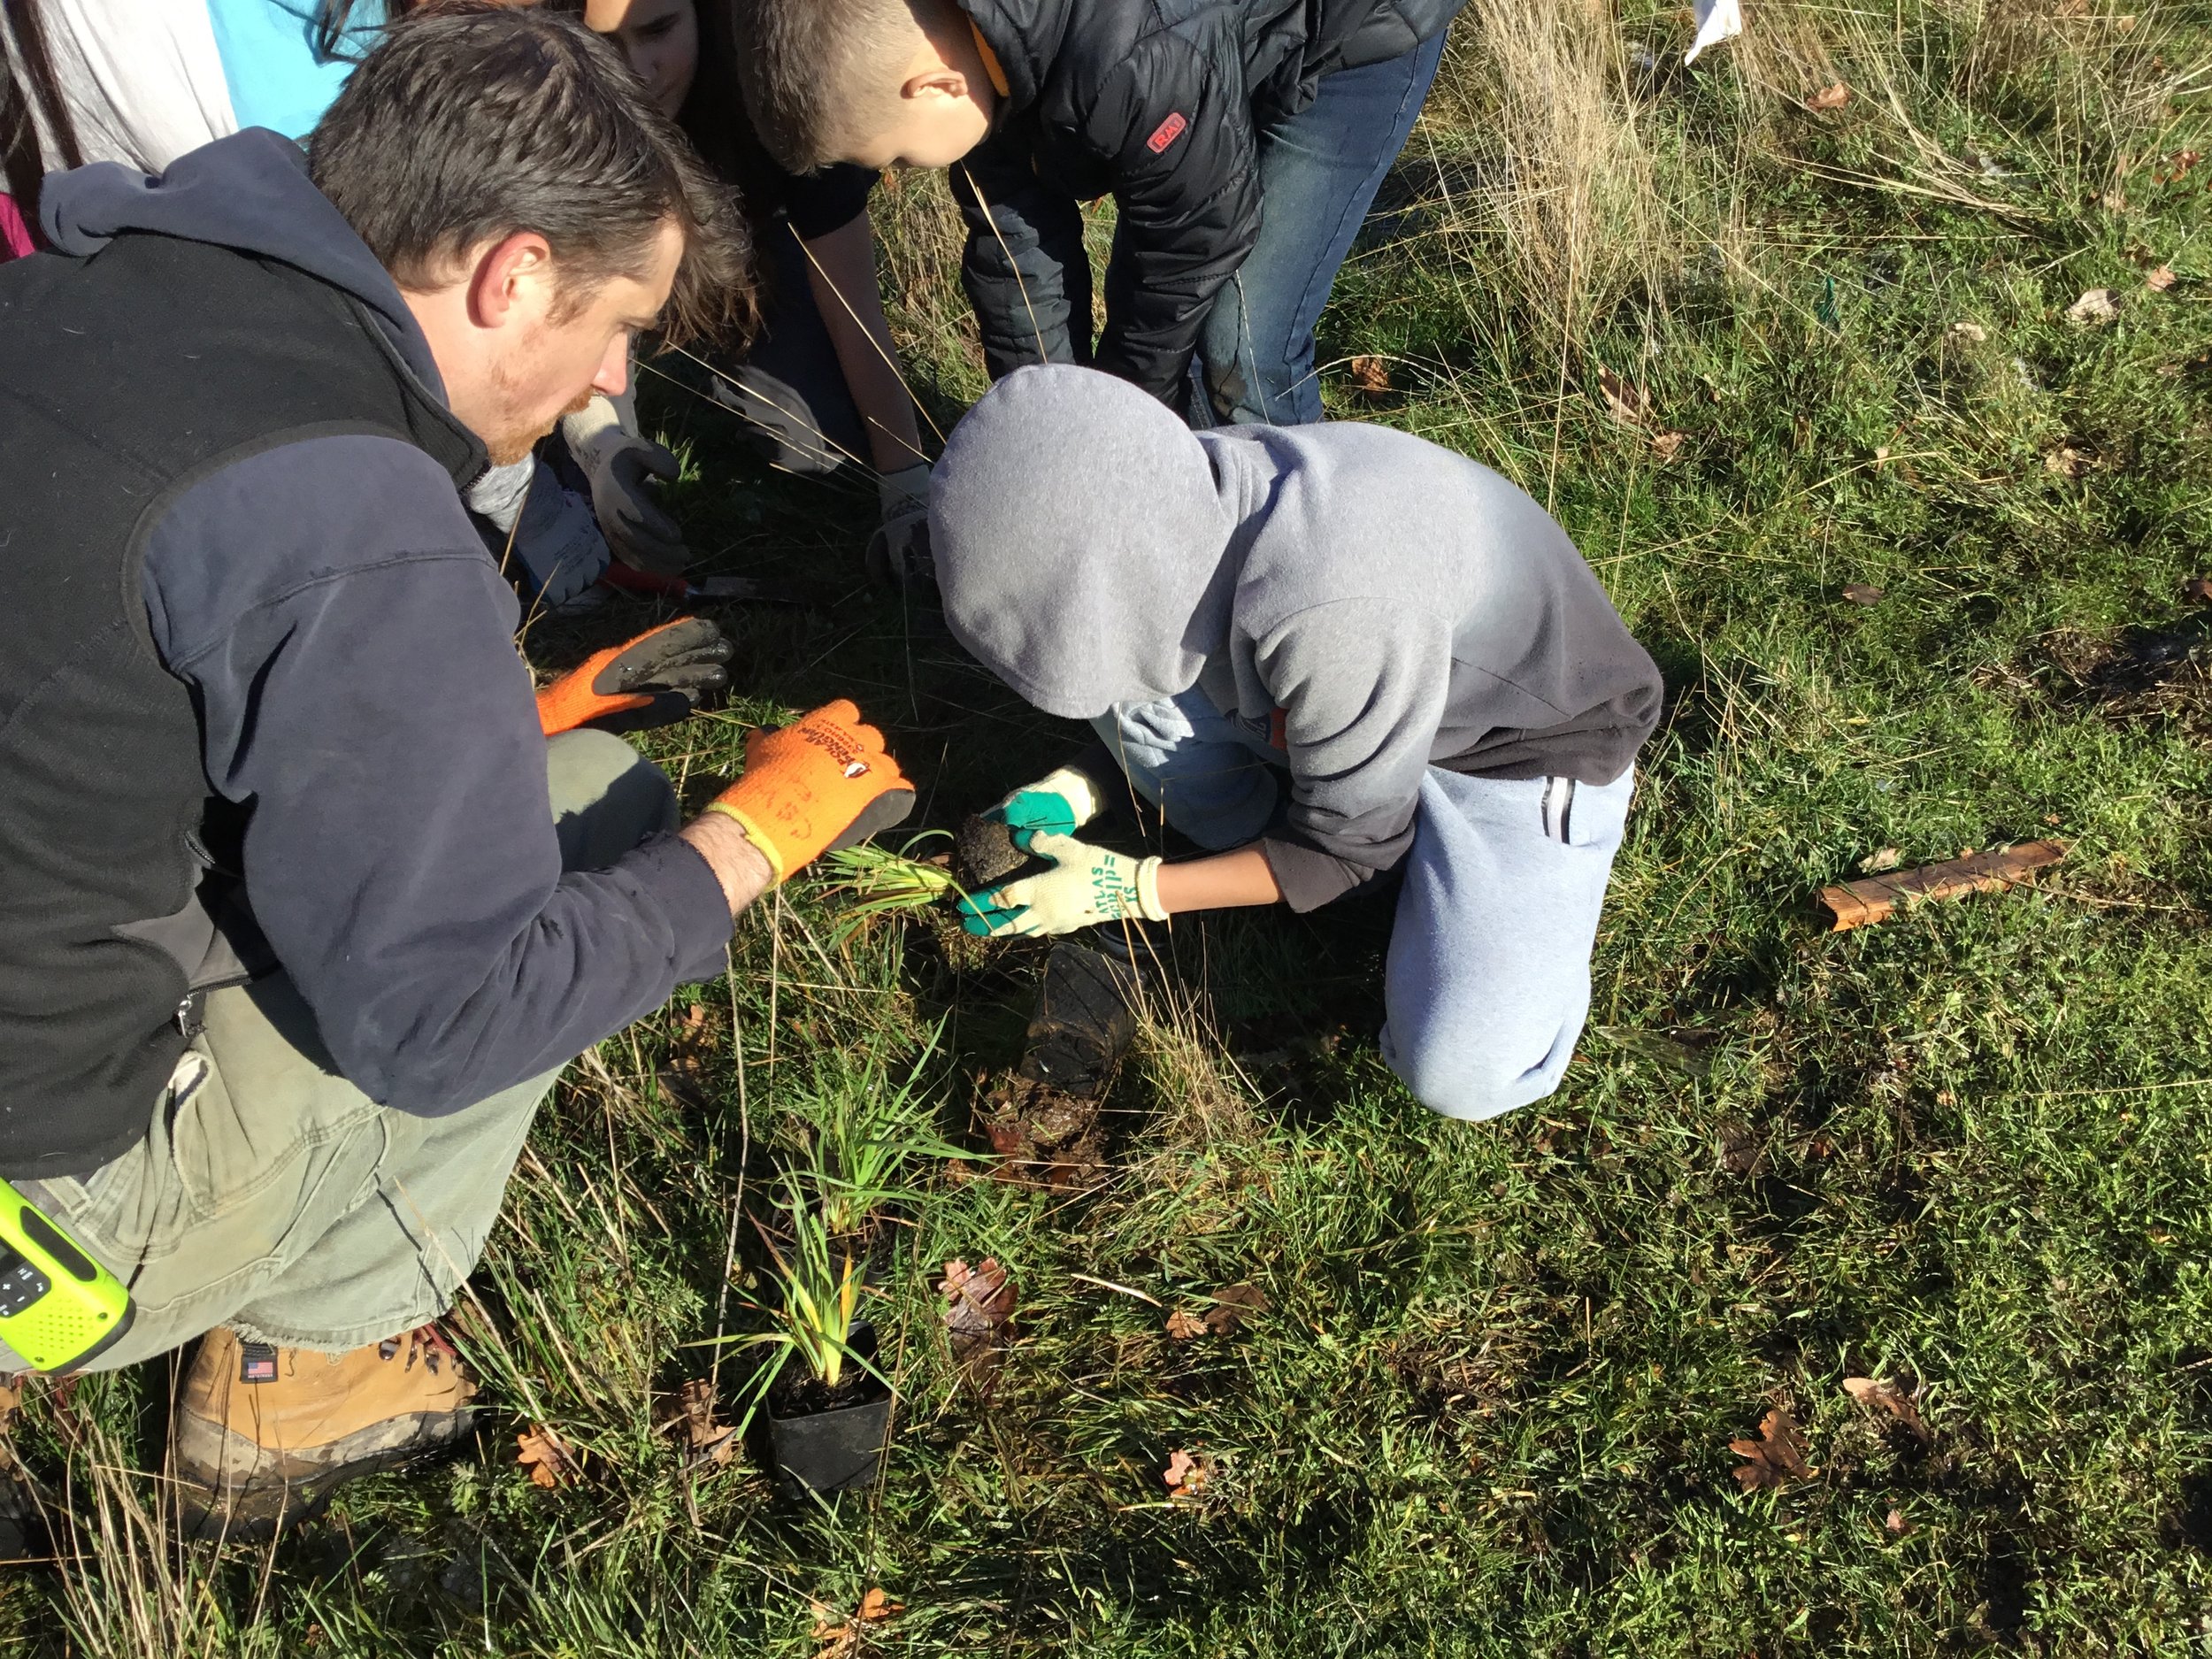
[471,122]
[821,76]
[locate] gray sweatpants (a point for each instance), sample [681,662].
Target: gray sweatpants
[1487,980]
[272,1196]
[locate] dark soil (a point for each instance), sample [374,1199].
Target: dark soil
[984,852]
[1043,1136]
[799,1393]
[2161,673]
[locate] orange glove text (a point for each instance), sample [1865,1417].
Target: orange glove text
[825,780]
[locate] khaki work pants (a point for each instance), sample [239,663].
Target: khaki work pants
[272,1196]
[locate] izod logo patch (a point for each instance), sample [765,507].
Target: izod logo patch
[1166,133]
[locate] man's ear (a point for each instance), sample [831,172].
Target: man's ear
[942,82]
[509,274]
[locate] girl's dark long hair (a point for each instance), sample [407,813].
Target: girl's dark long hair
[29,93]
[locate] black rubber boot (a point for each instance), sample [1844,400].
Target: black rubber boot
[1084,1022]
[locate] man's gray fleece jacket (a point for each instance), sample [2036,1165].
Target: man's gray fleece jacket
[1370,602]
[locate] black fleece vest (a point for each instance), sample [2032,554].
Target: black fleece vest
[126,379]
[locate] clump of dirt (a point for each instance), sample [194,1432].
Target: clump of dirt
[797,1392]
[964,952]
[984,852]
[1450,1378]
[1043,1136]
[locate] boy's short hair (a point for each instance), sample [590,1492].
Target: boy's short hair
[821,77]
[471,122]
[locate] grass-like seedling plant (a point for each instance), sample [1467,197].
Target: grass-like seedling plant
[1791,342]
[817,1289]
[864,1134]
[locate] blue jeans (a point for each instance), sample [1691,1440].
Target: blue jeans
[1319,169]
[1487,980]
[1029,279]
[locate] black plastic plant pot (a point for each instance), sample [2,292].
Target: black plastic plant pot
[831,1447]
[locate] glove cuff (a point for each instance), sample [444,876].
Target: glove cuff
[904,490]
[1149,891]
[761,843]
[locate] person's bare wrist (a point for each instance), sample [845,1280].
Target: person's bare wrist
[744,873]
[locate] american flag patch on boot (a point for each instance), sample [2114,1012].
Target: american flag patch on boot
[256,1362]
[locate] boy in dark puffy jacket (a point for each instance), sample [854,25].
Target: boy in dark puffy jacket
[1243,141]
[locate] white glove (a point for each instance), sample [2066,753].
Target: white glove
[900,542]
[1086,885]
[1718,20]
[618,462]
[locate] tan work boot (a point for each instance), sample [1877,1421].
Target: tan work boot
[263,1434]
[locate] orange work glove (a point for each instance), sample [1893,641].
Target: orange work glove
[665,671]
[823,781]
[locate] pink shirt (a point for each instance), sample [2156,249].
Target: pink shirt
[15,235]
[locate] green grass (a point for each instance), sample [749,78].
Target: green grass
[1488,1410]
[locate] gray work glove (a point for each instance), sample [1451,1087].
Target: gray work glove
[901,543]
[545,539]
[620,462]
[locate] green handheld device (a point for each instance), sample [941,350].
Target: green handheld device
[59,1307]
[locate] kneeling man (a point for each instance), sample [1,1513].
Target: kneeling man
[301,911]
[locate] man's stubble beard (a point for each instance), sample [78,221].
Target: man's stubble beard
[518,435]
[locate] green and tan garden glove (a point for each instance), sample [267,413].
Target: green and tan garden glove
[1058,803]
[1086,885]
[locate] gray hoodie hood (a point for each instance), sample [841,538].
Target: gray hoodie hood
[251,192]
[1360,603]
[1080,533]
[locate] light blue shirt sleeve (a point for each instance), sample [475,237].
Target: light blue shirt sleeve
[277,78]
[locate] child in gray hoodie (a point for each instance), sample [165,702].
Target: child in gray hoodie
[1328,653]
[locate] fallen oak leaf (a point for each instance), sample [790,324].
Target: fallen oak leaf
[841,1638]
[547,1456]
[1834,96]
[1624,399]
[1895,1400]
[980,1300]
[1370,376]
[1776,1457]
[1182,1327]
[2096,306]
[696,1405]
[1232,1305]
[979,1305]
[1188,1473]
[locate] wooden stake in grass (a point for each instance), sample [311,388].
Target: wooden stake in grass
[1856,903]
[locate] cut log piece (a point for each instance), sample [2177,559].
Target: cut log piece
[1856,903]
